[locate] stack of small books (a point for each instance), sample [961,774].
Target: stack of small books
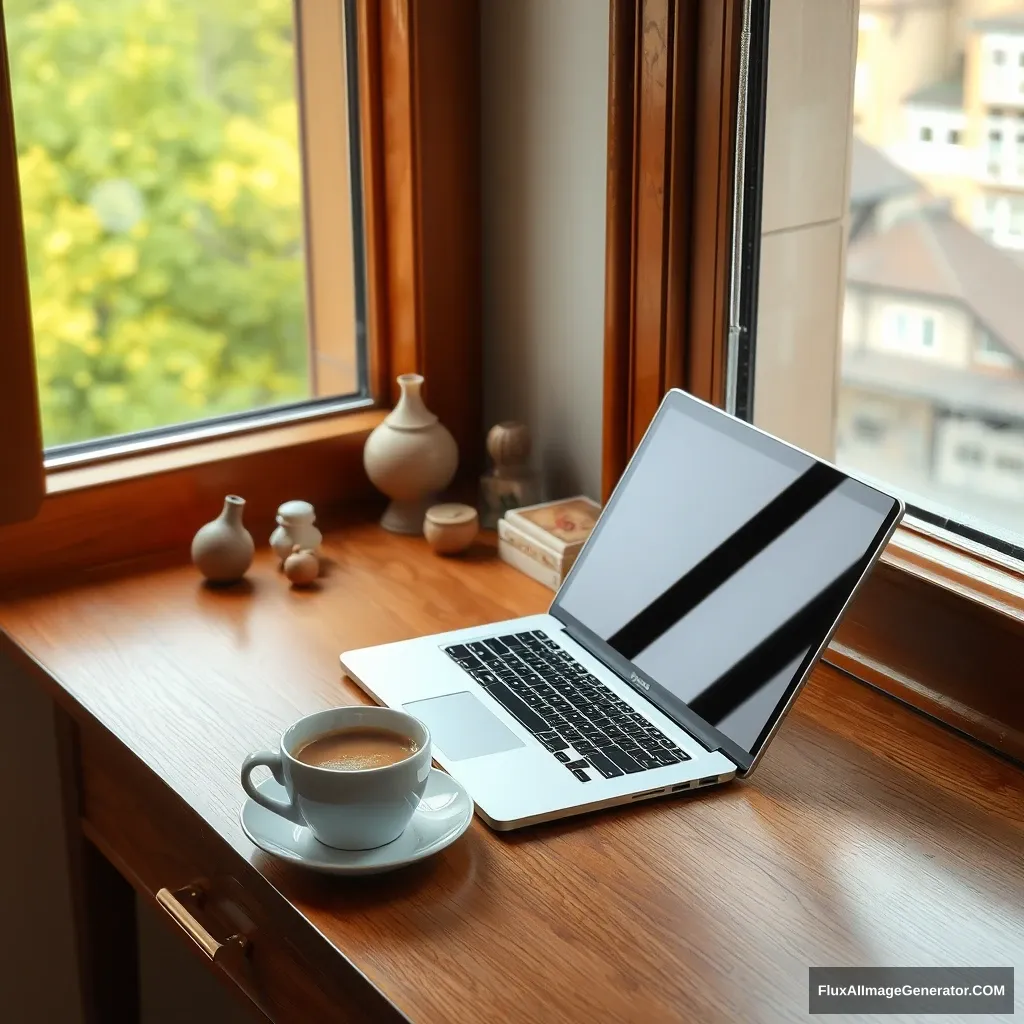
[544,540]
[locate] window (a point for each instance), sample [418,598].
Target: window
[926,134]
[928,332]
[906,329]
[868,430]
[990,353]
[968,454]
[168,178]
[429,165]
[953,137]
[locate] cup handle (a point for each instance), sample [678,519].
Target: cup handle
[272,760]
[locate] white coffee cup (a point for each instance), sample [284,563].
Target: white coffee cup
[356,809]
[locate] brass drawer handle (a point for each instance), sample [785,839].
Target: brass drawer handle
[171,902]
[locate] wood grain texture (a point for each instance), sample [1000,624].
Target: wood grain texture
[869,835]
[618,275]
[430,128]
[21,453]
[670,123]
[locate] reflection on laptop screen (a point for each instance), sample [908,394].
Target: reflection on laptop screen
[722,560]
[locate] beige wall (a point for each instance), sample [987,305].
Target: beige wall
[545,98]
[807,155]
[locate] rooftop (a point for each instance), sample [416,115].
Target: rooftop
[932,254]
[964,391]
[948,93]
[873,176]
[1006,21]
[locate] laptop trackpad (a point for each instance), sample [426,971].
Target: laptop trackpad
[462,727]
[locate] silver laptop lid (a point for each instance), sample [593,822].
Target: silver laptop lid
[719,569]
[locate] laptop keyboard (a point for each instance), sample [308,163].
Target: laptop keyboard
[570,711]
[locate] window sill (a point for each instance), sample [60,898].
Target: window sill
[151,505]
[940,626]
[256,442]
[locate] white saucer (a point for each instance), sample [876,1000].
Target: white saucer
[444,813]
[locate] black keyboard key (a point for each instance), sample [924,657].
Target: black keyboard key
[622,760]
[577,764]
[556,744]
[605,765]
[495,645]
[517,708]
[485,678]
[584,747]
[603,741]
[562,756]
[512,641]
[459,652]
[533,699]
[480,650]
[665,758]
[646,760]
[581,775]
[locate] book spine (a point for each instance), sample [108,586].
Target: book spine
[518,560]
[530,547]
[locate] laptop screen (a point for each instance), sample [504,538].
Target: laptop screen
[719,566]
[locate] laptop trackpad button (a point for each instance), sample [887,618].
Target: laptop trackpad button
[461,727]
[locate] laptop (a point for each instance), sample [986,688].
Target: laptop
[712,582]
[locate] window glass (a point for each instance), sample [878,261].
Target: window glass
[160,156]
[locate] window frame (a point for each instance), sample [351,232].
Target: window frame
[939,622]
[419,147]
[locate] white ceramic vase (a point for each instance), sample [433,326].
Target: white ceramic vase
[295,528]
[410,457]
[222,550]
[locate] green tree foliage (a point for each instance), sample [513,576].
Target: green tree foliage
[161,187]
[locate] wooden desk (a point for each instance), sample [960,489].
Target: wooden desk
[870,835]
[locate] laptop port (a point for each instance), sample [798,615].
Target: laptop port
[650,792]
[708,780]
[681,786]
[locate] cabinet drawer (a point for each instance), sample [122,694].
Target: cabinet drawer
[162,847]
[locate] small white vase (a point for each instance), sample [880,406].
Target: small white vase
[410,457]
[222,550]
[295,527]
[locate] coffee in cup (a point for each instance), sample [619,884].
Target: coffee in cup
[356,748]
[354,776]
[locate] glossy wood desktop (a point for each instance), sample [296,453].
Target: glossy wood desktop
[869,835]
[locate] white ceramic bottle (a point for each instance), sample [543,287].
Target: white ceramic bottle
[410,457]
[295,528]
[222,550]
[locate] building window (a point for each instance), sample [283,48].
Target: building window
[868,430]
[926,134]
[928,332]
[953,137]
[990,353]
[968,454]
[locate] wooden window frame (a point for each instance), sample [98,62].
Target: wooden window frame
[420,162]
[939,623]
